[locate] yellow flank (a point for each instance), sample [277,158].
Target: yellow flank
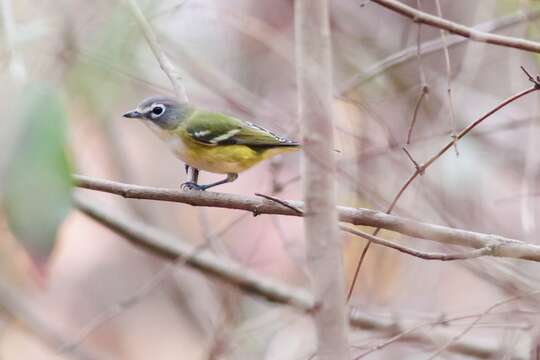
[220,159]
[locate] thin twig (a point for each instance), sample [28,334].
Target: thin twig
[472,324]
[391,325]
[281,202]
[420,170]
[164,62]
[512,124]
[430,47]
[417,166]
[424,89]
[443,320]
[459,29]
[423,92]
[485,251]
[448,79]
[168,247]
[171,248]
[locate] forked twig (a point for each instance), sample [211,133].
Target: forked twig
[441,152]
[486,250]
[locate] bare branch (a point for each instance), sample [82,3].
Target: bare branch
[488,250]
[423,92]
[380,241]
[421,169]
[478,318]
[281,202]
[459,29]
[169,247]
[423,84]
[400,331]
[417,166]
[322,238]
[430,47]
[406,334]
[164,62]
[505,247]
[448,78]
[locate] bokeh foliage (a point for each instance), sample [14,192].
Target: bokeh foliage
[37,193]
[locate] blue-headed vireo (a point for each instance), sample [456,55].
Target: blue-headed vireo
[207,140]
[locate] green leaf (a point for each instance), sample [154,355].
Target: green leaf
[37,192]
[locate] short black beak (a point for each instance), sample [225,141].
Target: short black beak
[132,114]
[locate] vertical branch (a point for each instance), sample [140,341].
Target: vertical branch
[449,78]
[314,79]
[528,205]
[419,49]
[423,84]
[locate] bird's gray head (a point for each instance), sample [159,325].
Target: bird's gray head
[165,112]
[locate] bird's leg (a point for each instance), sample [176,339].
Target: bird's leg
[194,178]
[194,186]
[194,175]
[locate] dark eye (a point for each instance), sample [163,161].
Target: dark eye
[157,110]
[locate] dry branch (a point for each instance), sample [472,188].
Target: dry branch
[503,247]
[432,46]
[459,29]
[462,333]
[421,168]
[484,251]
[164,62]
[390,244]
[316,115]
[169,247]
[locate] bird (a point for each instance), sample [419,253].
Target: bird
[209,141]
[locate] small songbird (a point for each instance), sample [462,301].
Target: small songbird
[209,141]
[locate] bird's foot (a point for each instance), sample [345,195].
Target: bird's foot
[190,185]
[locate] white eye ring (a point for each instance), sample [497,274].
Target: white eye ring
[157,110]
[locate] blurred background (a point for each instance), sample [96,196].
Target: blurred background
[69,288]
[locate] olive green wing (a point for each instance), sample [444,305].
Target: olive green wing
[218,129]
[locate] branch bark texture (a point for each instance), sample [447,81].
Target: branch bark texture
[500,246]
[323,245]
